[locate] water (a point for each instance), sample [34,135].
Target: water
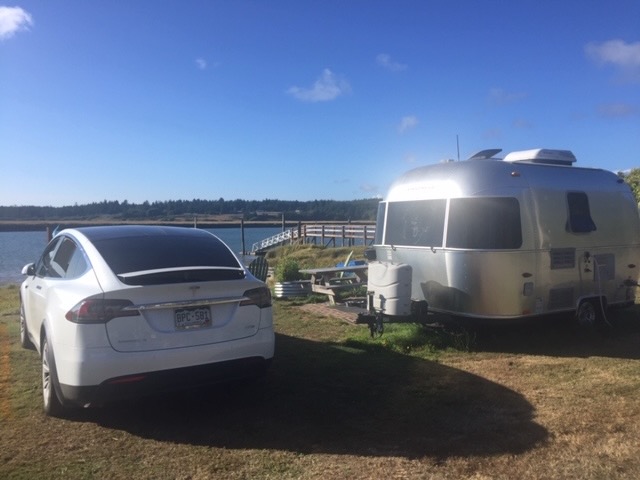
[19,248]
[16,250]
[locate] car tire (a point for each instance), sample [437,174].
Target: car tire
[25,342]
[52,405]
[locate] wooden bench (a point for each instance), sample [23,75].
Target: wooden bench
[328,282]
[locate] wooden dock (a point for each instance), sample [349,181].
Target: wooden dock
[342,234]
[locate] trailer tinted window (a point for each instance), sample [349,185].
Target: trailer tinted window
[484,223]
[416,223]
[580,220]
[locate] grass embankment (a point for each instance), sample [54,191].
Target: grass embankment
[312,256]
[519,402]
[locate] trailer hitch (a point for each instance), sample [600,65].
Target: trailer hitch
[376,327]
[375,318]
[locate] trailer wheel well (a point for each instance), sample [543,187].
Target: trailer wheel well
[590,313]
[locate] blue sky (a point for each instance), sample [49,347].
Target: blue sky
[300,99]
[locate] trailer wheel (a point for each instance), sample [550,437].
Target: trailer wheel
[589,315]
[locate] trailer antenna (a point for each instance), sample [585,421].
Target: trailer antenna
[458,146]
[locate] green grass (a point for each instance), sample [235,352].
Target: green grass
[313,256]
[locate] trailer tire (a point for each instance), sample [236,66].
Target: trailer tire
[589,314]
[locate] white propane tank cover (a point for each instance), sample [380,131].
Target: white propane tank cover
[391,284]
[542,155]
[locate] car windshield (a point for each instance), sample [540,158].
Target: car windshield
[146,259]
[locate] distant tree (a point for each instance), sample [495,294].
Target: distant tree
[633,180]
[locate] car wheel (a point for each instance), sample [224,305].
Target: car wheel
[51,403]
[24,335]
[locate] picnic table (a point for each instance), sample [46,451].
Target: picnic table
[329,280]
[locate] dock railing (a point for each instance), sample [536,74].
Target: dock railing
[346,234]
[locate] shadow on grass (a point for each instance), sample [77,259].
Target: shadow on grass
[558,336]
[327,398]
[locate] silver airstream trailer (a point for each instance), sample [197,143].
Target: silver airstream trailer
[501,239]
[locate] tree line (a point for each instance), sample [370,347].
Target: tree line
[250,210]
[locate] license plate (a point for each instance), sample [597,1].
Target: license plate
[192,317]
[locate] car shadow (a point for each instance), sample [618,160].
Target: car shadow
[336,399]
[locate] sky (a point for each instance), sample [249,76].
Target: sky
[302,99]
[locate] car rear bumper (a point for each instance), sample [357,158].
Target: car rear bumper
[85,374]
[146,383]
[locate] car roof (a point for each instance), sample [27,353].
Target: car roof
[152,254]
[121,231]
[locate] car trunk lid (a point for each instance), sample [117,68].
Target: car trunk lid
[183,315]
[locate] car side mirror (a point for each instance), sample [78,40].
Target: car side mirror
[29,269]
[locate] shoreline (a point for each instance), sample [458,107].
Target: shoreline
[44,225]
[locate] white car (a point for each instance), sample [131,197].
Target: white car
[124,311]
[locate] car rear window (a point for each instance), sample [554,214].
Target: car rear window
[187,254]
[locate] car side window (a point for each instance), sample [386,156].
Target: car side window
[62,259]
[63,255]
[43,267]
[77,265]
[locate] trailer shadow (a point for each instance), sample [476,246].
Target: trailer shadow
[618,337]
[328,398]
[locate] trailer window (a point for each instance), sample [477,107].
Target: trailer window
[380,223]
[580,220]
[415,223]
[484,223]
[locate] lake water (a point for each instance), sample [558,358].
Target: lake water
[19,248]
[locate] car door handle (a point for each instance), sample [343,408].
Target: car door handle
[38,287]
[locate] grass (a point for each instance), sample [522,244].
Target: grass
[314,256]
[533,401]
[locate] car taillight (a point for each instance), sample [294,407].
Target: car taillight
[100,311]
[261,297]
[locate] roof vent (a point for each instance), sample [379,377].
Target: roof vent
[542,155]
[485,154]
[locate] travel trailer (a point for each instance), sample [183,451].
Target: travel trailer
[503,239]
